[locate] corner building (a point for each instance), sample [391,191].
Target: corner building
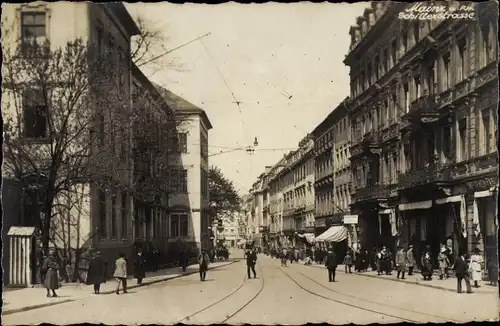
[423,112]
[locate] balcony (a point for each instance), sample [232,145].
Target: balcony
[369,143]
[390,132]
[431,174]
[481,165]
[371,192]
[424,109]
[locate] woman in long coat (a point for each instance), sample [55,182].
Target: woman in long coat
[51,268]
[410,255]
[139,268]
[97,272]
[427,264]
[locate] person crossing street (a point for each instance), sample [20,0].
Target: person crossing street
[203,261]
[331,265]
[251,260]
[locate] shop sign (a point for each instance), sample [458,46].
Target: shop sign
[483,183]
[350,219]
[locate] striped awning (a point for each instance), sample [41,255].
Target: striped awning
[336,233]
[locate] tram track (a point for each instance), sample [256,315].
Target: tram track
[225,298]
[342,302]
[379,303]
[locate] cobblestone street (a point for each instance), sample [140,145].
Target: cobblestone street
[278,295]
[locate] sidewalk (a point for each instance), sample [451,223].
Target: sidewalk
[447,285]
[25,299]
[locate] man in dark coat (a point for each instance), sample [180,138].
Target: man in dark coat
[331,265]
[462,273]
[139,268]
[183,259]
[203,261]
[251,260]
[97,273]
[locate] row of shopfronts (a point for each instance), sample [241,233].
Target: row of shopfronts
[464,218]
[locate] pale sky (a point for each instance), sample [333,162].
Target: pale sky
[266,53]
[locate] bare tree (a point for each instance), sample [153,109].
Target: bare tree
[149,46]
[68,125]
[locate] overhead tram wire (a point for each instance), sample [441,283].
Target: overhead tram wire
[172,50]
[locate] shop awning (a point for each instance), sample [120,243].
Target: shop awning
[335,233]
[308,236]
[452,199]
[416,205]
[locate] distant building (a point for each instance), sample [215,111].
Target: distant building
[230,233]
[188,203]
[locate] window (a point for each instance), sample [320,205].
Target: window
[416,81]
[488,45]
[103,230]
[385,59]
[377,67]
[487,134]
[416,31]
[404,43]
[114,228]
[111,55]
[462,134]
[430,79]
[183,142]
[35,114]
[462,60]
[178,225]
[124,223]
[178,180]
[446,72]
[33,30]
[123,144]
[406,97]
[447,142]
[101,129]
[393,53]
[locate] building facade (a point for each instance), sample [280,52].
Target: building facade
[230,233]
[106,31]
[276,204]
[423,156]
[189,211]
[323,153]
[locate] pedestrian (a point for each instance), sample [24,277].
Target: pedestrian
[251,260]
[139,268]
[410,256]
[387,259]
[444,263]
[203,261]
[348,262]
[291,253]
[476,262]
[183,259]
[96,274]
[120,273]
[401,262]
[296,255]
[462,273]
[51,270]
[426,262]
[331,265]
[283,257]
[374,259]
[492,265]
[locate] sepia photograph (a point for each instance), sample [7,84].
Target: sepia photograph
[276,163]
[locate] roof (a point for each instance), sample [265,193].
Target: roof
[24,231]
[181,106]
[336,114]
[118,8]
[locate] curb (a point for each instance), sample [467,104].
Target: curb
[407,282]
[47,304]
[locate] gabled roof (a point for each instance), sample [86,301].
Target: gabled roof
[181,106]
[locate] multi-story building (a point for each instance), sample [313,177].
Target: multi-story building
[150,165]
[286,187]
[342,168]
[189,211]
[323,153]
[107,29]
[276,204]
[422,113]
[230,233]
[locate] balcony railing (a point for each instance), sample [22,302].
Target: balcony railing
[425,109]
[433,173]
[371,139]
[372,192]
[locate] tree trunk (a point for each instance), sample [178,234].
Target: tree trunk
[45,224]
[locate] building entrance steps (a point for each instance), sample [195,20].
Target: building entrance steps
[449,284]
[24,299]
